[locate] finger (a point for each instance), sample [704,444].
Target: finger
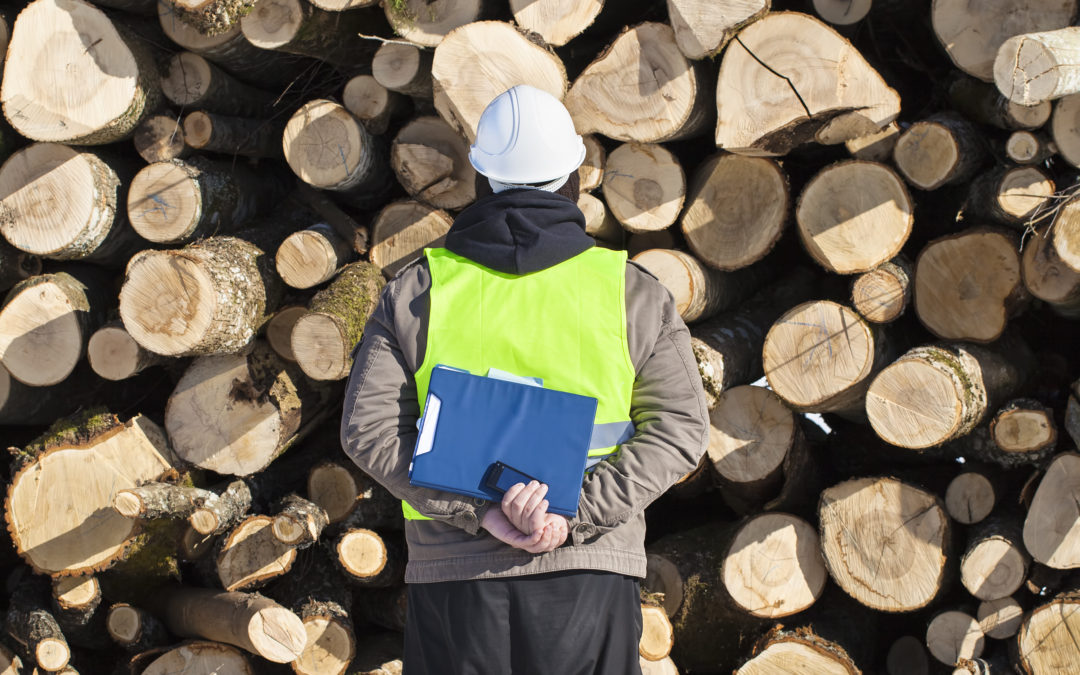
[521,501]
[539,516]
[535,498]
[513,492]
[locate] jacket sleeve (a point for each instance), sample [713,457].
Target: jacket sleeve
[378,425]
[668,410]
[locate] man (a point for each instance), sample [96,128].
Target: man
[500,588]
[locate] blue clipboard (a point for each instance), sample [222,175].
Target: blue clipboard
[470,423]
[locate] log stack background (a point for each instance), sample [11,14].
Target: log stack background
[864,210]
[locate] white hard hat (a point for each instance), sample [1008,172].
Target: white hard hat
[525,135]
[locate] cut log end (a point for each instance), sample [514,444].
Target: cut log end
[277,634]
[1046,642]
[307,258]
[657,635]
[187,79]
[330,647]
[1050,532]
[167,302]
[128,504]
[645,187]
[740,457]
[325,145]
[401,232]
[321,347]
[124,624]
[842,12]
[404,68]
[927,154]
[913,404]
[333,487]
[1023,429]
[798,656]
[994,568]
[279,330]
[164,202]
[1001,618]
[114,354]
[1023,191]
[881,295]
[362,553]
[952,636]
[970,498]
[201,657]
[252,555]
[203,521]
[52,654]
[160,138]
[76,592]
[273,23]
[41,332]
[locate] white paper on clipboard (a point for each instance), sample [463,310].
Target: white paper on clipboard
[428,422]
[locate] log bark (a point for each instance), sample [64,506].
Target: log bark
[1045,643]
[101,94]
[344,224]
[875,147]
[431,161]
[645,186]
[191,81]
[1048,278]
[944,149]
[736,210]
[728,347]
[839,96]
[211,17]
[235,413]
[21,404]
[75,603]
[885,542]
[34,629]
[222,511]
[1025,147]
[88,187]
[882,295]
[950,267]
[854,215]
[972,34]
[1024,432]
[169,300]
[428,23]
[368,558]
[328,148]
[373,104]
[981,102]
[821,357]
[236,136]
[134,629]
[298,27]
[798,651]
[954,635]
[201,657]
[160,500]
[47,320]
[299,522]
[937,393]
[114,355]
[403,68]
[323,339]
[251,555]
[179,201]
[1050,532]
[160,138]
[247,620]
[343,490]
[1000,619]
[1009,195]
[402,230]
[700,292]
[670,101]
[702,31]
[994,564]
[476,62]
[1031,68]
[312,256]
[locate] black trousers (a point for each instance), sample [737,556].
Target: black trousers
[564,623]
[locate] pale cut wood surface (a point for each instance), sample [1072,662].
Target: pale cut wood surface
[642,89]
[114,354]
[644,186]
[1036,67]
[751,431]
[1025,147]
[993,568]
[372,103]
[1065,128]
[362,553]
[404,68]
[75,592]
[477,62]
[557,21]
[1048,278]
[342,5]
[599,223]
[1024,426]
[327,147]
[854,216]
[279,330]
[757,113]
[1047,639]
[970,498]
[972,32]
[81,532]
[428,22]
[431,161]
[591,171]
[941,150]
[954,635]
[1001,618]
[160,137]
[699,291]
[795,657]
[201,657]
[664,666]
[883,542]
[311,256]
[65,92]
[329,649]
[736,210]
[252,555]
[1066,234]
[950,269]
[1052,526]
[1023,191]
[192,81]
[704,27]
[657,635]
[774,566]
[43,328]
[883,294]
[402,230]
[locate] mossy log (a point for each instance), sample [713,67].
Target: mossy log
[299,522]
[235,136]
[81,532]
[235,413]
[135,629]
[323,339]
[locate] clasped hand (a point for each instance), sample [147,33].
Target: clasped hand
[522,521]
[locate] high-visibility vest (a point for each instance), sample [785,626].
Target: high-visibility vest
[565,324]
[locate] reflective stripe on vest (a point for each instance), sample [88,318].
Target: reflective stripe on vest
[565,324]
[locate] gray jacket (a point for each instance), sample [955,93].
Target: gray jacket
[378,431]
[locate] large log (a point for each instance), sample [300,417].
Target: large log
[943,149]
[1047,277]
[429,22]
[46,322]
[736,210]
[972,33]
[936,393]
[476,62]
[968,285]
[1009,195]
[954,635]
[1000,619]
[87,187]
[837,94]
[1046,642]
[324,338]
[402,230]
[981,102]
[251,555]
[994,564]
[431,161]
[556,21]
[312,256]
[170,299]
[1031,68]
[80,532]
[343,490]
[178,201]
[298,27]
[971,497]
[700,292]
[642,89]
[1051,535]
[198,656]
[854,216]
[101,92]
[645,186]
[235,413]
[703,28]
[247,620]
[885,542]
[821,357]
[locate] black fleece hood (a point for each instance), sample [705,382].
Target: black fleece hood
[519,231]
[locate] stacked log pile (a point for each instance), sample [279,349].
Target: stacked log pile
[867,212]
